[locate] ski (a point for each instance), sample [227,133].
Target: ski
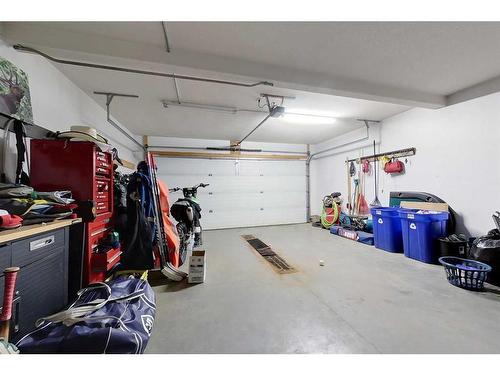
[167,268]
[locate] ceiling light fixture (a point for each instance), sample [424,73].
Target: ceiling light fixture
[207,107]
[279,112]
[302,118]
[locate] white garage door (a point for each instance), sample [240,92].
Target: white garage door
[241,193]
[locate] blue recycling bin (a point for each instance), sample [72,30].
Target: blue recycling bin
[387,229]
[420,233]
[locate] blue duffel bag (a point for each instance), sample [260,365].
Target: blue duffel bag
[115,317]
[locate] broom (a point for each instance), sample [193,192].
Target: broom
[376,202]
[349,198]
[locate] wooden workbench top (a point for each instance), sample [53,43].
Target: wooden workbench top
[30,230]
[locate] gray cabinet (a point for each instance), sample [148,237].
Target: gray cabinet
[42,283]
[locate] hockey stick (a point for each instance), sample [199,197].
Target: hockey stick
[8,297]
[167,268]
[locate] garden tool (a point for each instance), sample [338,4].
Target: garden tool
[376,202]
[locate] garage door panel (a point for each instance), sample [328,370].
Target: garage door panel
[244,193]
[285,198]
[238,185]
[271,168]
[208,167]
[203,167]
[248,184]
[223,218]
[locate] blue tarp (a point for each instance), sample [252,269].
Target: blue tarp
[355,235]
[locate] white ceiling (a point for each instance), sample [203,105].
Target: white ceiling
[406,64]
[433,57]
[439,58]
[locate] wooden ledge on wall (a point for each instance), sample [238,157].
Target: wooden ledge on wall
[231,155]
[126,164]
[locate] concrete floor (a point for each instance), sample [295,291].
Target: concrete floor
[363,300]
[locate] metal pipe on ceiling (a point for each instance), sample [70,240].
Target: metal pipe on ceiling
[313,157]
[206,107]
[364,138]
[19,47]
[232,110]
[167,44]
[177,92]
[289,113]
[109,99]
[254,129]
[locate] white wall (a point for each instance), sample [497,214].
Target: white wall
[58,103]
[456,159]
[328,172]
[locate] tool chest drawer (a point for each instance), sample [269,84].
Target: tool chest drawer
[97,235]
[5,254]
[103,195]
[97,260]
[103,163]
[37,247]
[102,262]
[102,207]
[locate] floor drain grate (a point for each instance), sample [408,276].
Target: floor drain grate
[278,263]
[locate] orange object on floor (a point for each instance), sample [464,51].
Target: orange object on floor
[170,231]
[364,209]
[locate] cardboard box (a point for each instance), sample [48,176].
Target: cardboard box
[197,267]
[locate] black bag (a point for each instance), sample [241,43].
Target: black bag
[486,249]
[120,203]
[138,252]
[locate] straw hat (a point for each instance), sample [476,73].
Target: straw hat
[86,133]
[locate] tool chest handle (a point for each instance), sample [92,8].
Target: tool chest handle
[42,242]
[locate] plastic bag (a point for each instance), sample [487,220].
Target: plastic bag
[486,249]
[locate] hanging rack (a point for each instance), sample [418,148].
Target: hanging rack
[32,130]
[395,154]
[39,132]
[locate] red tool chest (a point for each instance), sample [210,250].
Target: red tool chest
[82,168]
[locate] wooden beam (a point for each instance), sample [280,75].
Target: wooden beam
[211,155]
[126,164]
